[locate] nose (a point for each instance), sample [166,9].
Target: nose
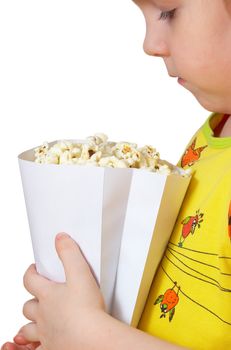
[155,44]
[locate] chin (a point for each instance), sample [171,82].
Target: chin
[213,106]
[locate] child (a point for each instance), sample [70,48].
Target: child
[189,304]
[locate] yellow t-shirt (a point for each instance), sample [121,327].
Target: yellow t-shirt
[189,303]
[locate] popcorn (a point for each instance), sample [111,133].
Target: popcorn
[96,150]
[112,162]
[97,139]
[127,152]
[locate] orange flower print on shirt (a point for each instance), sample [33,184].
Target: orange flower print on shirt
[189,225]
[192,154]
[168,302]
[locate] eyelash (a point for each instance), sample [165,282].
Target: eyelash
[167,14]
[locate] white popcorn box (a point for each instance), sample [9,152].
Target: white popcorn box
[121,218]
[153,205]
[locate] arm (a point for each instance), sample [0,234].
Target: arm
[72,315]
[115,335]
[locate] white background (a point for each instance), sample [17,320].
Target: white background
[69,69]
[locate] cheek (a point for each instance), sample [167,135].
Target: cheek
[200,65]
[202,54]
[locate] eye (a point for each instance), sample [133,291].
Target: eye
[167,14]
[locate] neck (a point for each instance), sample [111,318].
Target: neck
[226,130]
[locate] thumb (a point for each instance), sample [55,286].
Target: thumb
[72,259]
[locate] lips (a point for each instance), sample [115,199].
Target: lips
[181,81]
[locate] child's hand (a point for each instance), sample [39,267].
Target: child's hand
[26,346]
[62,314]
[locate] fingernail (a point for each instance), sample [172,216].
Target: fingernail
[62,235]
[19,335]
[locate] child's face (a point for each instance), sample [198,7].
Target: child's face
[195,44]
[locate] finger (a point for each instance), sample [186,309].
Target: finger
[34,346]
[10,346]
[73,260]
[34,283]
[20,339]
[30,309]
[13,346]
[29,332]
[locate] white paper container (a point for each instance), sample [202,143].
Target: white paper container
[89,203]
[153,206]
[97,207]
